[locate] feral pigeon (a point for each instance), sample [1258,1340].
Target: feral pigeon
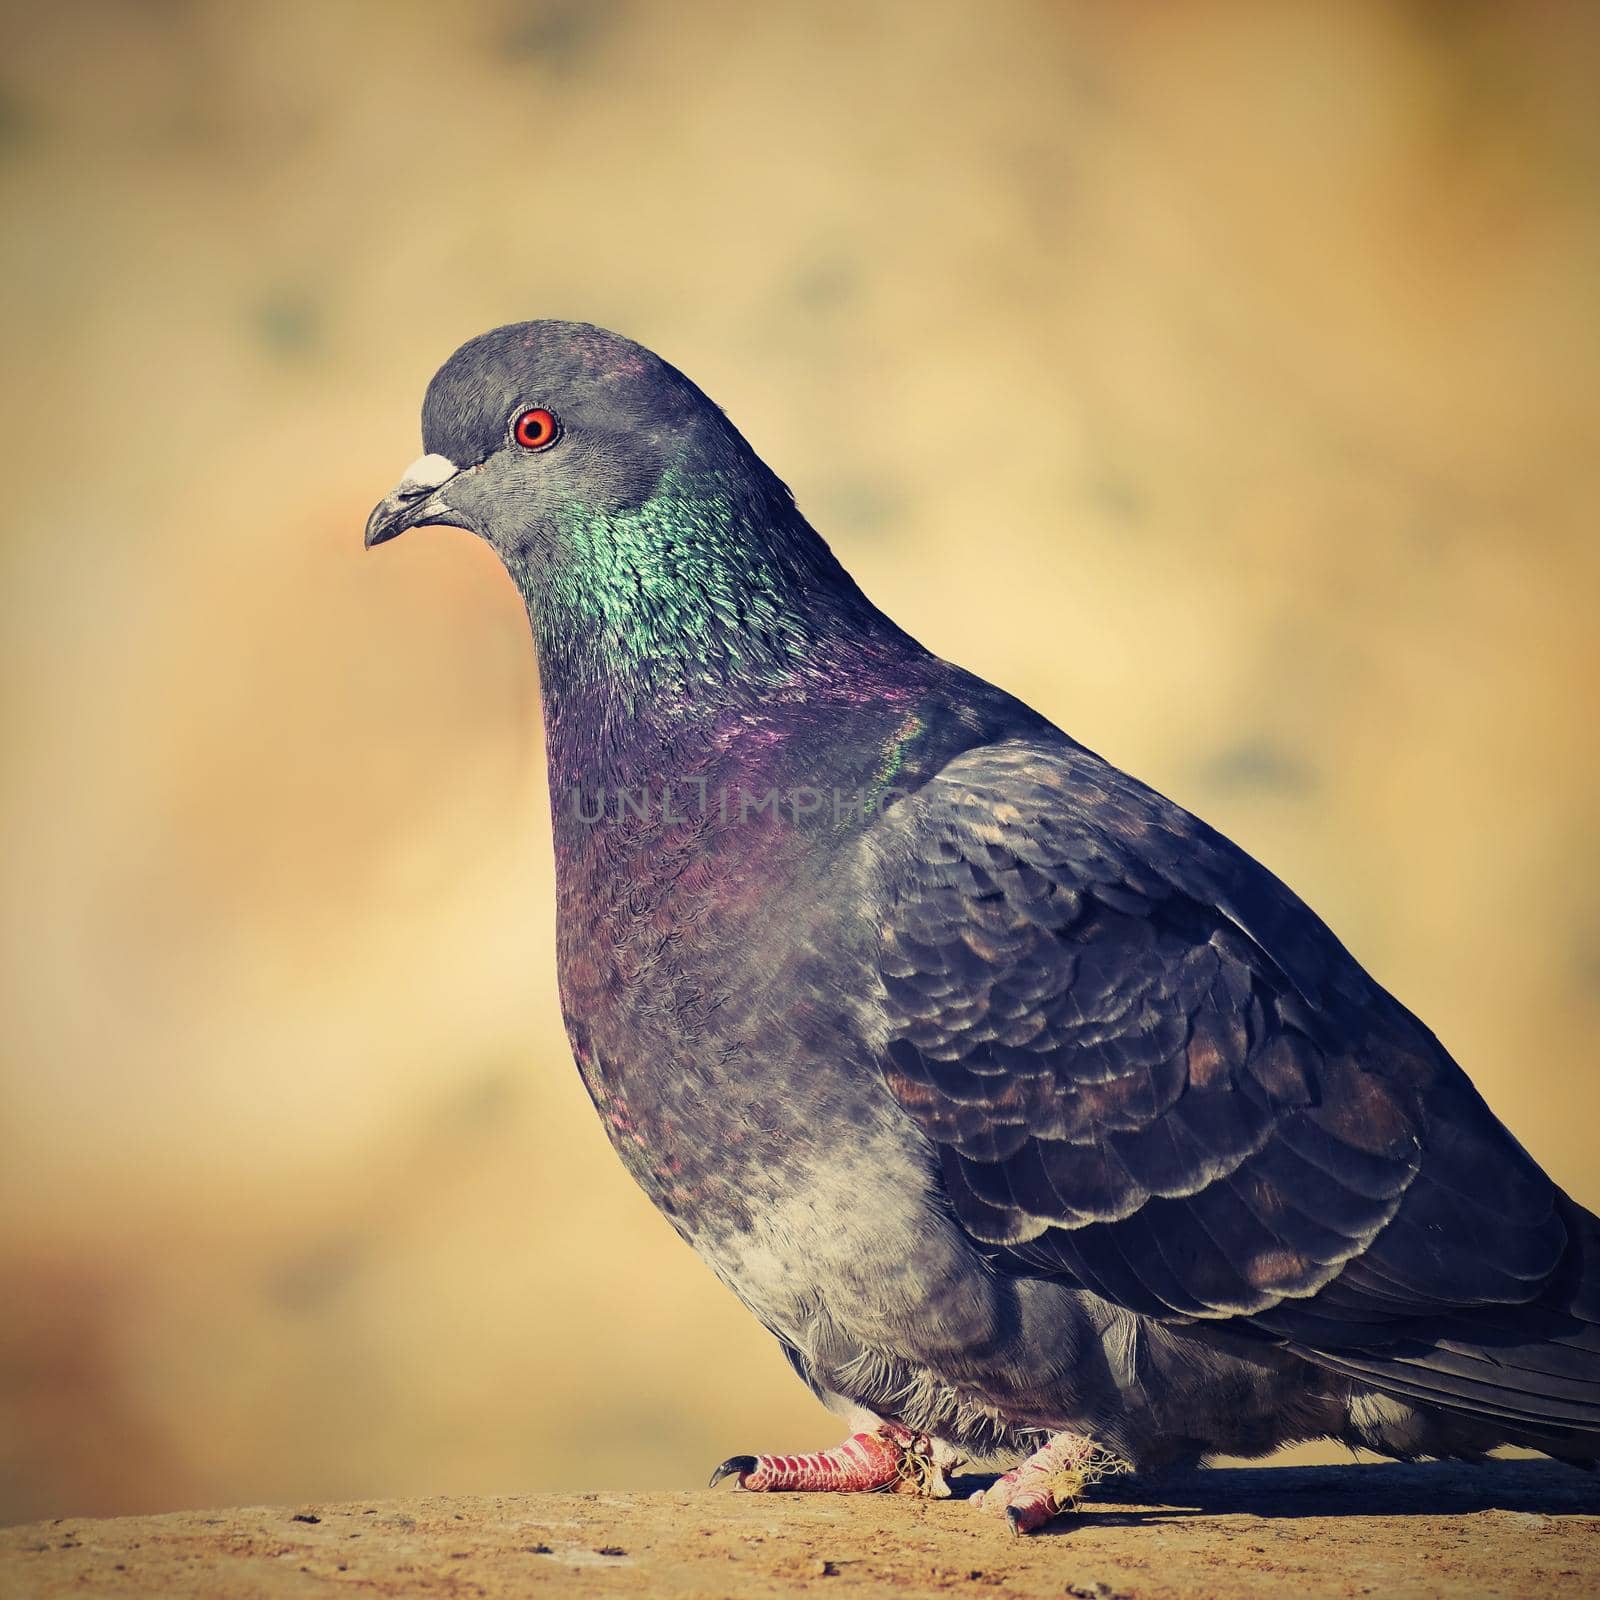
[1037,1120]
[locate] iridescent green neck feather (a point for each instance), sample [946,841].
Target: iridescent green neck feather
[711,589]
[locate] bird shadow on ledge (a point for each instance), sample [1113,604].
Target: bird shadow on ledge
[1386,1489]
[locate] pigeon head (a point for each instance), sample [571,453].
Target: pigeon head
[657,554]
[535,430]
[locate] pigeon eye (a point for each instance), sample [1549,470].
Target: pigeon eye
[535,429]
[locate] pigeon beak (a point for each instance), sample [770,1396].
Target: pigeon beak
[414,499]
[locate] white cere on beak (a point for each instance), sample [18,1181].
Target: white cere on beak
[427,472]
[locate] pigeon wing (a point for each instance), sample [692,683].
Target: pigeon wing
[1148,1068]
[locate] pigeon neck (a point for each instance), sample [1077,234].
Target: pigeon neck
[699,598]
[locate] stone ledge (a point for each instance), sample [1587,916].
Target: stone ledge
[1509,1529]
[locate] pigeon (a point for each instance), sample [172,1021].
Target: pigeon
[1040,1123]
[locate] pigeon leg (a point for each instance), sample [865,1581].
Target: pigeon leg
[1049,1482]
[883,1457]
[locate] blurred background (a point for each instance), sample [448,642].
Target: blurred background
[1220,377]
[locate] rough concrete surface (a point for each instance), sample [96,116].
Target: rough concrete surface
[1514,1529]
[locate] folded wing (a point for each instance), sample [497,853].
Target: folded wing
[1148,1068]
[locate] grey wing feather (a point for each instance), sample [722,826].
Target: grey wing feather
[1148,1068]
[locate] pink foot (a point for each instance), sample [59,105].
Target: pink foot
[1049,1482]
[886,1456]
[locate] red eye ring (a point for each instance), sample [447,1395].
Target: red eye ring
[536,429]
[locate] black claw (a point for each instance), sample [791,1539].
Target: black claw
[1014,1517]
[733,1464]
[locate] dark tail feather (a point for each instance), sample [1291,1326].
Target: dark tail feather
[1533,1368]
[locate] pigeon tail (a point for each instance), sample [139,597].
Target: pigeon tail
[1534,1369]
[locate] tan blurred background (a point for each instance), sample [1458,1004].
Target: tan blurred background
[1220,377]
